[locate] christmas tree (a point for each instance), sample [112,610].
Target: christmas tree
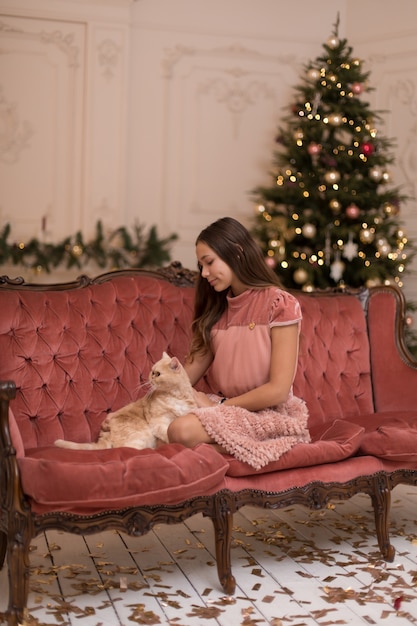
[331,215]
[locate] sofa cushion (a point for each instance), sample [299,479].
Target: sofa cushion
[329,443]
[83,481]
[391,435]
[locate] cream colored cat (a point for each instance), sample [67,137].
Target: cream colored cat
[144,423]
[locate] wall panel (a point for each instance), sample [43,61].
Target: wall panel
[42,66]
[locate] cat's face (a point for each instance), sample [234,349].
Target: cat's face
[166,372]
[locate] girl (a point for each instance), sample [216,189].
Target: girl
[245,340]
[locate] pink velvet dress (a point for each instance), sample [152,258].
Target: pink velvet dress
[241,343]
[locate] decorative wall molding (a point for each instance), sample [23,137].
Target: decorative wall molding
[108,57]
[237,95]
[235,51]
[213,97]
[63,41]
[15,133]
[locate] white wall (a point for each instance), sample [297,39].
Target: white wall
[63,117]
[168,114]
[384,35]
[210,81]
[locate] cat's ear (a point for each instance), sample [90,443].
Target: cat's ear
[165,355]
[175,364]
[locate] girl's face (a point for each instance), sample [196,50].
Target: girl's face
[216,271]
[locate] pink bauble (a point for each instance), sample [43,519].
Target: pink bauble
[353,211]
[357,88]
[313,148]
[270,261]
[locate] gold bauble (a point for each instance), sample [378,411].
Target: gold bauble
[335,205]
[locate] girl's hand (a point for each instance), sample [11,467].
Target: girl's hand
[202,399]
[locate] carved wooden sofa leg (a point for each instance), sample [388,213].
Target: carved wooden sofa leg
[223,526]
[381,501]
[19,567]
[3,548]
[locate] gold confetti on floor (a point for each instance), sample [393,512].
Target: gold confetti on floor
[293,568]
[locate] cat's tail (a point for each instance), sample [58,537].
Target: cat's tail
[73,445]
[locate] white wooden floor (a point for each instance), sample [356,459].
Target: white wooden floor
[293,567]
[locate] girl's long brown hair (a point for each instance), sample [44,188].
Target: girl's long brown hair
[232,242]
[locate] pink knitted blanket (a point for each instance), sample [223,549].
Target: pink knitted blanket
[257,438]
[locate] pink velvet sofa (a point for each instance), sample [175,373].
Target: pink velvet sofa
[71,353]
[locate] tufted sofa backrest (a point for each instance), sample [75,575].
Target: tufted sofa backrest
[334,371]
[77,354]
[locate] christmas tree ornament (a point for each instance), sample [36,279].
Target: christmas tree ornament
[309,231]
[367,235]
[335,206]
[375,173]
[331,177]
[386,177]
[77,250]
[337,268]
[298,135]
[300,276]
[335,119]
[313,148]
[357,88]
[353,211]
[333,42]
[383,247]
[350,249]
[389,208]
[313,74]
[307,288]
[372,282]
[367,148]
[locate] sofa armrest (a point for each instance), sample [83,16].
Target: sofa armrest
[394,372]
[12,500]
[7,393]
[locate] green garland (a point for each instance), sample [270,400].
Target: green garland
[120,249]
